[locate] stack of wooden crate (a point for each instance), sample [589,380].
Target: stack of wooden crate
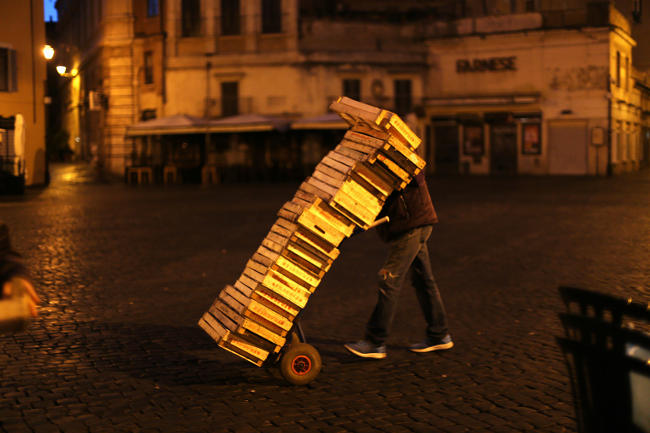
[348,188]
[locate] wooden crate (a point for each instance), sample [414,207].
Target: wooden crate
[346,191]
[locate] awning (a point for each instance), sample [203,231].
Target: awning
[325,121]
[179,124]
[184,124]
[248,123]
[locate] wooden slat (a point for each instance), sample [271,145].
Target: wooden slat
[372,131]
[356,146]
[269,315]
[281,231]
[353,207]
[371,143]
[407,152]
[257,354]
[331,172]
[322,186]
[265,333]
[216,331]
[281,305]
[242,288]
[394,168]
[321,227]
[262,259]
[258,267]
[305,264]
[297,271]
[332,216]
[375,178]
[313,189]
[396,126]
[317,242]
[339,157]
[289,290]
[253,274]
[333,164]
[353,154]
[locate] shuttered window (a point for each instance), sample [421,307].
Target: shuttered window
[230,17]
[8,76]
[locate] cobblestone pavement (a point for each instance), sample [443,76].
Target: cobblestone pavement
[126,272]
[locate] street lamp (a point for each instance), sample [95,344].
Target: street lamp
[48,52]
[61,70]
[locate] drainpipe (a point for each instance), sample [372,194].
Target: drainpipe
[163,53]
[609,126]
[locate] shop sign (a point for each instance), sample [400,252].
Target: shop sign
[489,64]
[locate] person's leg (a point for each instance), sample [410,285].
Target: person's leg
[426,289]
[427,292]
[401,253]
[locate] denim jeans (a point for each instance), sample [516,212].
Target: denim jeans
[408,256]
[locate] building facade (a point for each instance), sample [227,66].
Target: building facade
[243,87]
[22,98]
[510,95]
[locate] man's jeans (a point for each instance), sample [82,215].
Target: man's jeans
[408,255]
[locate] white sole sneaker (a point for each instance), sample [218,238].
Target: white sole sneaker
[433,348]
[373,355]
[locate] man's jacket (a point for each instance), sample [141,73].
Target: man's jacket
[407,209]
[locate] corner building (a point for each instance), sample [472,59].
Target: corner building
[512,94]
[190,90]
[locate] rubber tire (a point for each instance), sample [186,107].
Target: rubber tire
[300,364]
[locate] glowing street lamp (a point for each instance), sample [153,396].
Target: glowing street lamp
[48,52]
[61,70]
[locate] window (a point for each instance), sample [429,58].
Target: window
[473,143]
[229,98]
[148,67]
[152,8]
[271,16]
[148,114]
[191,18]
[627,73]
[352,88]
[530,5]
[8,82]
[230,17]
[618,69]
[403,100]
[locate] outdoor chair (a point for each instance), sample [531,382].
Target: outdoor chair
[607,350]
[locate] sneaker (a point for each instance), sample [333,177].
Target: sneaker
[431,345]
[366,349]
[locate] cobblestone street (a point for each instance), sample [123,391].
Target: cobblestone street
[126,272]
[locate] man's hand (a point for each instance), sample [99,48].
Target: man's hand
[18,286]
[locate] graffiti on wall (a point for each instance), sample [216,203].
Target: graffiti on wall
[578,78]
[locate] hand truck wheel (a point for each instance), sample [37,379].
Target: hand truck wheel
[300,364]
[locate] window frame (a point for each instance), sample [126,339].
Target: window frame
[153,8]
[271,16]
[9,82]
[400,107]
[190,18]
[149,77]
[230,17]
[229,101]
[351,87]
